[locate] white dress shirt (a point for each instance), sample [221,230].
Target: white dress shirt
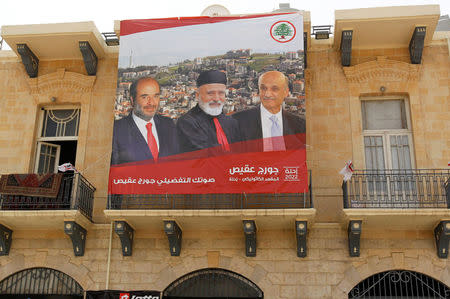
[266,125]
[141,124]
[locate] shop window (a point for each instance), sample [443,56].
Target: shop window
[57,138]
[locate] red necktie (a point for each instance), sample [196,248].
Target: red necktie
[221,137]
[152,141]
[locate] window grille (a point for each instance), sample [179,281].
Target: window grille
[212,283]
[60,122]
[40,281]
[400,284]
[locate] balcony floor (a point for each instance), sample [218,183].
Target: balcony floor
[266,219]
[396,219]
[42,219]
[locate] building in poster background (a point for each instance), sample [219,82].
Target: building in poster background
[161,80]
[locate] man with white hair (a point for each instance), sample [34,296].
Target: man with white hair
[205,125]
[272,127]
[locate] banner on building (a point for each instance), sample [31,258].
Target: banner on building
[210,105]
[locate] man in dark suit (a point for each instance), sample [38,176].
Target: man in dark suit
[205,125]
[268,124]
[143,134]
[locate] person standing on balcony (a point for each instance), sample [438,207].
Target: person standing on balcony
[205,125]
[269,123]
[144,134]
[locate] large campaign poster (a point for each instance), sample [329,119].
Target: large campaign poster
[210,105]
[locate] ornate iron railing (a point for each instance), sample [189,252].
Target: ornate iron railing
[400,284]
[404,189]
[212,201]
[75,193]
[213,283]
[41,281]
[111,38]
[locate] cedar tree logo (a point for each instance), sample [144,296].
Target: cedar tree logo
[283,31]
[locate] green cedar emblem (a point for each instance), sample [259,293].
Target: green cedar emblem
[282,30]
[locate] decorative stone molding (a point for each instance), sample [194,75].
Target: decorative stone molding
[382,69]
[61,80]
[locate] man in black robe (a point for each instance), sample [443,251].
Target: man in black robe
[205,125]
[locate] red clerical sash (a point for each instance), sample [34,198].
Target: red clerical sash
[221,137]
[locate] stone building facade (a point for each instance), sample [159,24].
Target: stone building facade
[392,237]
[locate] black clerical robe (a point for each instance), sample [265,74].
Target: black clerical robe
[196,130]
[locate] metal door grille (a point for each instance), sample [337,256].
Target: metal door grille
[212,283]
[40,281]
[400,284]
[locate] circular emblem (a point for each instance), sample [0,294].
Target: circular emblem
[283,31]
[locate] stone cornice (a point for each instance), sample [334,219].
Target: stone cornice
[61,80]
[382,69]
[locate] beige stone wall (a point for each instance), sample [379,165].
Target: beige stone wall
[334,125]
[334,135]
[20,100]
[333,93]
[327,271]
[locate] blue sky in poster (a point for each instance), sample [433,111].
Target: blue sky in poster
[172,45]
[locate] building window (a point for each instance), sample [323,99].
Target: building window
[387,134]
[57,138]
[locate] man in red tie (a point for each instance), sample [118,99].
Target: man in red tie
[205,125]
[144,134]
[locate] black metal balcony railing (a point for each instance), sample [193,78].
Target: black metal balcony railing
[75,193]
[111,38]
[212,201]
[404,189]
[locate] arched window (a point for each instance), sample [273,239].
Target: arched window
[40,281]
[400,284]
[212,283]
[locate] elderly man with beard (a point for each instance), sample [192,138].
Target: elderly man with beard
[205,125]
[143,134]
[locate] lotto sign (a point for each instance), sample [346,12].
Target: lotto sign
[110,294]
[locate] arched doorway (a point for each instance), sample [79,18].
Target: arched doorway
[40,283]
[212,283]
[400,284]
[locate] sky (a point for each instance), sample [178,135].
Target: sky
[103,13]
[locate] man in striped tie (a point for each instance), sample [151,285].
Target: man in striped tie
[205,125]
[270,126]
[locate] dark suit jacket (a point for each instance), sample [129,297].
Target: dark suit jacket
[196,130]
[251,128]
[129,145]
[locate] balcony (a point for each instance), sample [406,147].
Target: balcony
[414,198]
[210,201]
[73,200]
[221,211]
